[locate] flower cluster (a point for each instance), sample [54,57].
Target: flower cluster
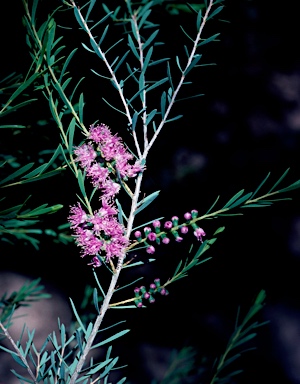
[142,293]
[105,161]
[172,226]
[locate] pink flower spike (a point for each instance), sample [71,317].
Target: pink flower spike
[199,233]
[184,230]
[168,224]
[152,236]
[150,250]
[187,216]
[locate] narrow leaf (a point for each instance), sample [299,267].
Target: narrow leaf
[146,201]
[17,173]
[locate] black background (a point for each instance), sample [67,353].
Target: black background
[246,125]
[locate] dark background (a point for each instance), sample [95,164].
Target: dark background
[246,125]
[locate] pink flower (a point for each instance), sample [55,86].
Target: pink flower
[166,240]
[78,216]
[184,230]
[85,155]
[150,250]
[187,216]
[168,224]
[199,233]
[152,236]
[156,224]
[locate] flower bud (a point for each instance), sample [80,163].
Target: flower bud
[187,216]
[194,213]
[150,250]
[168,224]
[151,236]
[175,220]
[184,229]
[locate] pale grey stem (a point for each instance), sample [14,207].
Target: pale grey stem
[111,288]
[6,333]
[144,104]
[113,77]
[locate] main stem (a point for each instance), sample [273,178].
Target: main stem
[112,285]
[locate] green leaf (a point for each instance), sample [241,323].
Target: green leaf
[145,14]
[208,40]
[121,61]
[13,126]
[260,185]
[132,47]
[150,116]
[193,63]
[163,101]
[17,173]
[17,106]
[241,200]
[219,230]
[215,12]
[77,317]
[96,48]
[78,18]
[178,64]
[102,20]
[150,39]
[235,197]
[96,300]
[116,336]
[81,183]
[92,3]
[279,180]
[174,118]
[146,201]
[71,131]
[64,68]
[81,104]
[157,84]
[96,367]
[147,59]
[23,86]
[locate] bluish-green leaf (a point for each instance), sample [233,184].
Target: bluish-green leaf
[215,12]
[17,173]
[150,116]
[260,185]
[96,48]
[193,63]
[157,84]
[174,118]
[208,40]
[116,336]
[132,47]
[235,197]
[146,201]
[121,61]
[150,39]
[102,20]
[279,180]
[147,59]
